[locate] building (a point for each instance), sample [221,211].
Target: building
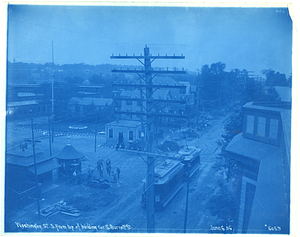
[70,160]
[123,131]
[20,173]
[84,107]
[95,91]
[133,100]
[26,101]
[262,151]
[129,101]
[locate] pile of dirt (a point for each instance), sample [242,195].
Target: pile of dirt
[190,134]
[168,146]
[92,202]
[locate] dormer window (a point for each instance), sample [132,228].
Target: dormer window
[261,126]
[250,124]
[273,133]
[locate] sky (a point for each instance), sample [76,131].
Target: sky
[243,38]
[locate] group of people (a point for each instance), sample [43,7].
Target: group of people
[101,166]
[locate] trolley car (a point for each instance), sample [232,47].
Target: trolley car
[170,176]
[168,180]
[190,156]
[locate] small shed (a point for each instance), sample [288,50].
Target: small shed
[123,132]
[20,166]
[70,160]
[20,183]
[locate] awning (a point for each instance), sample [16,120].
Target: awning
[44,167]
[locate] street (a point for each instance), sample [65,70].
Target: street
[120,204]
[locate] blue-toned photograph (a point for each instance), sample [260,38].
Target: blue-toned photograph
[148,119]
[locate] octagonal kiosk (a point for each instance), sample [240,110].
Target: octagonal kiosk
[70,160]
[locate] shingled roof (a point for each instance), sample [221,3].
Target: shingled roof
[69,153]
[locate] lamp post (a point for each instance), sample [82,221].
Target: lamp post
[187,196]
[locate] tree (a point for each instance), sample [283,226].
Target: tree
[73,80]
[212,81]
[275,78]
[97,79]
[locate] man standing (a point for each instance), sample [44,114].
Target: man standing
[118,172]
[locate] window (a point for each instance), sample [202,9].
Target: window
[261,127]
[250,124]
[273,128]
[182,91]
[157,198]
[130,135]
[111,133]
[128,102]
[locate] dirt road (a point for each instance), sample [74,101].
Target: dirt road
[121,204]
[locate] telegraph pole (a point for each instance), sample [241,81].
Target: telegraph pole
[187,197]
[52,95]
[146,60]
[33,142]
[149,140]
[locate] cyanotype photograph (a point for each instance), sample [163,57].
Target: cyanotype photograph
[148,119]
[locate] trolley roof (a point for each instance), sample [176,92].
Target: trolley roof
[167,170]
[188,153]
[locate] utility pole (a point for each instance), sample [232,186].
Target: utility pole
[187,197]
[33,142]
[52,95]
[146,60]
[50,148]
[95,150]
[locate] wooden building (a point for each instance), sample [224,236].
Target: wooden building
[123,131]
[20,173]
[262,151]
[70,160]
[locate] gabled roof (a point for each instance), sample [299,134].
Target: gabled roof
[158,94]
[89,101]
[69,153]
[164,81]
[162,94]
[131,93]
[25,158]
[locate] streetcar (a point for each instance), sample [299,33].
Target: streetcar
[190,157]
[170,176]
[168,180]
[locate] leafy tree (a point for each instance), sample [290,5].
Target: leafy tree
[97,79]
[223,204]
[212,80]
[275,78]
[73,80]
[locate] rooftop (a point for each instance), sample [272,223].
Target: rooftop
[89,101]
[25,158]
[21,103]
[125,123]
[69,153]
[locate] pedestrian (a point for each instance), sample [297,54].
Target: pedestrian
[108,167]
[118,172]
[75,177]
[99,168]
